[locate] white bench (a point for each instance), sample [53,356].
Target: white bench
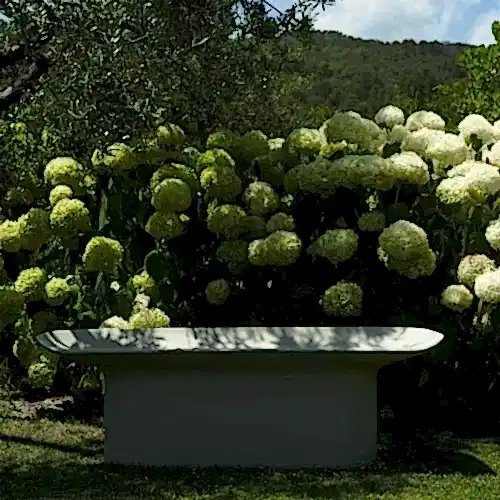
[247,397]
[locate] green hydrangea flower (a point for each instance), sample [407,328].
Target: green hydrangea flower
[42,373]
[164,226]
[10,236]
[281,248]
[65,171]
[217,292]
[170,135]
[252,144]
[215,158]
[144,283]
[176,171]
[118,156]
[226,220]
[372,221]
[30,283]
[57,290]
[457,298]
[35,229]
[261,198]
[280,222]
[343,299]
[59,193]
[70,217]
[190,156]
[172,195]
[234,253]
[102,255]
[336,245]
[404,240]
[149,318]
[224,139]
[306,141]
[220,182]
[417,266]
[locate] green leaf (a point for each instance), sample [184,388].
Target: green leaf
[103,211]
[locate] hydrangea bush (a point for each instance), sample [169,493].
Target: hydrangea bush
[387,221]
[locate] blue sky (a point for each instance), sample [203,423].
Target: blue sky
[466,21]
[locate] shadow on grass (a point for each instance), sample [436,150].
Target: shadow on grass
[88,448]
[78,472]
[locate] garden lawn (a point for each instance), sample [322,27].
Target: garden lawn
[49,460]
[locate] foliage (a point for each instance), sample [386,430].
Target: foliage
[117,69]
[478,90]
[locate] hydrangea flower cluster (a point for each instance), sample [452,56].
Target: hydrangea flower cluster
[227,220]
[281,248]
[59,193]
[149,318]
[70,217]
[217,292]
[280,222]
[164,226]
[457,298]
[404,248]
[473,266]
[373,221]
[234,253]
[260,198]
[336,245]
[471,182]
[30,283]
[343,299]
[102,255]
[487,286]
[57,290]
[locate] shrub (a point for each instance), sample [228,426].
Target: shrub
[369,223]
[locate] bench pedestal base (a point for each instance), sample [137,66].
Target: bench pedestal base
[248,418]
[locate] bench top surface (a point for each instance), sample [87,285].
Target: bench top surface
[278,339]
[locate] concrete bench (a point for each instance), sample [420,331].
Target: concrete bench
[246,397]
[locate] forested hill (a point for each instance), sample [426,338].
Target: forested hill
[363,75]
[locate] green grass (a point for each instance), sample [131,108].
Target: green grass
[49,460]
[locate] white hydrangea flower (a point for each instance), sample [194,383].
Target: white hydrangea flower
[496,130]
[398,134]
[116,322]
[473,266]
[485,177]
[487,286]
[410,168]
[493,234]
[493,155]
[476,125]
[469,181]
[464,168]
[457,297]
[424,119]
[418,141]
[454,190]
[447,149]
[141,301]
[353,128]
[390,116]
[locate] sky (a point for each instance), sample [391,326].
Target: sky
[467,21]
